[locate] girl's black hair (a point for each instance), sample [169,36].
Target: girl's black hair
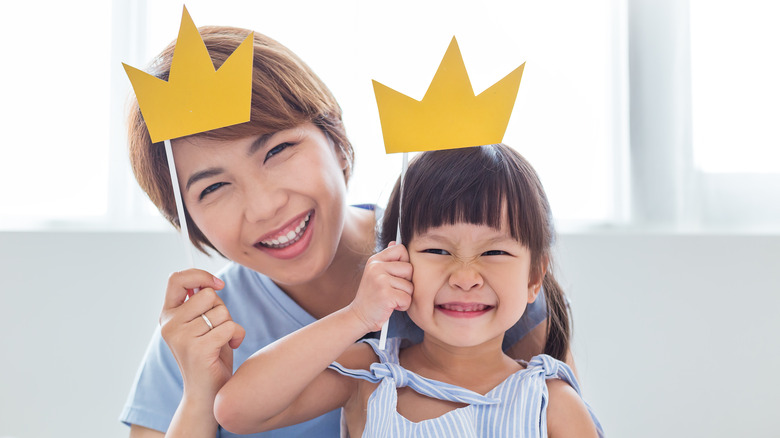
[482,185]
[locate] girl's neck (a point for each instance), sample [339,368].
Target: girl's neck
[479,368]
[337,286]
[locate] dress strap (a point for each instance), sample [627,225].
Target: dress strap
[389,368]
[428,387]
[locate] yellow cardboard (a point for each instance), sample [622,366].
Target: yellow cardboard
[449,115]
[196,97]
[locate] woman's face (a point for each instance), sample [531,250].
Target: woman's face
[471,283]
[275,204]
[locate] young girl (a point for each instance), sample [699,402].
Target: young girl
[269,195]
[479,232]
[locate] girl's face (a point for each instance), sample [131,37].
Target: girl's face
[471,283]
[275,203]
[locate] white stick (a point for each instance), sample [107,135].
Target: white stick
[404,165]
[185,234]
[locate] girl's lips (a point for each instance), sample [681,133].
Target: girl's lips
[291,240]
[464,310]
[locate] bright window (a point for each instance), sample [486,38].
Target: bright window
[66,160]
[735,86]
[55,109]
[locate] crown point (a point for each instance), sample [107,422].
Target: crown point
[449,115]
[196,98]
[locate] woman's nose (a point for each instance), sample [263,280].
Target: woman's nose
[466,277]
[262,201]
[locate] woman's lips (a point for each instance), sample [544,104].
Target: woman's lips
[290,241]
[288,234]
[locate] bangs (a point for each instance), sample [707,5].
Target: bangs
[486,185]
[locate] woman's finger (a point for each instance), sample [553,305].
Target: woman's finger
[210,319]
[180,282]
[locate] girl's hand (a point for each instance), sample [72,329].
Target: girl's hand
[203,354]
[386,286]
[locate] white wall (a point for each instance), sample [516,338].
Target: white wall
[675,335]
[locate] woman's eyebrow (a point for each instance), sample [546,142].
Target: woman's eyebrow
[203,174]
[258,144]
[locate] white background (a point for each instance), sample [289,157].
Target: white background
[652,124]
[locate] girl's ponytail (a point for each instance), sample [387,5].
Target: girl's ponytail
[558,324]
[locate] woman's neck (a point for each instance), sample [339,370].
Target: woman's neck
[479,368]
[337,286]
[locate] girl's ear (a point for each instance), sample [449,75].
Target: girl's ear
[536,280]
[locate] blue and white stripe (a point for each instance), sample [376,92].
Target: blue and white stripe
[517,407]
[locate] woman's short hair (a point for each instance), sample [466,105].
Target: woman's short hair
[285,93]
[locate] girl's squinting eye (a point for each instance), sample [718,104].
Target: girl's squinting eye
[276,149]
[495,252]
[435,251]
[210,189]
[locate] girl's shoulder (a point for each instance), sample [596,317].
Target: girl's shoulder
[567,412]
[358,356]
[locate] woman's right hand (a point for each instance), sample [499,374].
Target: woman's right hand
[203,354]
[386,286]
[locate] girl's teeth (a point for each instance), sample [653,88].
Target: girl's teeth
[291,235]
[283,239]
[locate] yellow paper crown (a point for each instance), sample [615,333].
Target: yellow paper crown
[197,97]
[449,115]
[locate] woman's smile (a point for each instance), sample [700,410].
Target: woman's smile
[289,241]
[288,234]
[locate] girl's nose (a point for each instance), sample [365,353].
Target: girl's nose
[466,277]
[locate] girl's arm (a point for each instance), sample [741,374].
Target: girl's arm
[287,382]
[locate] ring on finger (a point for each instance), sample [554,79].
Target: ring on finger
[208,322]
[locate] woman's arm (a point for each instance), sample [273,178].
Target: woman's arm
[137,431]
[203,354]
[287,382]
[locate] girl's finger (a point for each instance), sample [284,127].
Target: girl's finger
[394,252]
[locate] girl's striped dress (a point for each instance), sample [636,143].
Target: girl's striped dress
[517,407]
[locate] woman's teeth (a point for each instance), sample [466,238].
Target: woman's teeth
[288,239]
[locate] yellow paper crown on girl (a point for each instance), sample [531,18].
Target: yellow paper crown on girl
[449,115]
[196,97]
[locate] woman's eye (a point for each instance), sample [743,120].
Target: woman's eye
[436,251]
[276,149]
[210,189]
[495,252]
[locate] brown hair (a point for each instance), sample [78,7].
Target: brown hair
[285,94]
[480,185]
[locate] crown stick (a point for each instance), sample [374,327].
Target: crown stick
[196,98]
[404,166]
[179,204]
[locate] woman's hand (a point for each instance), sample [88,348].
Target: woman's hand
[386,286]
[203,353]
